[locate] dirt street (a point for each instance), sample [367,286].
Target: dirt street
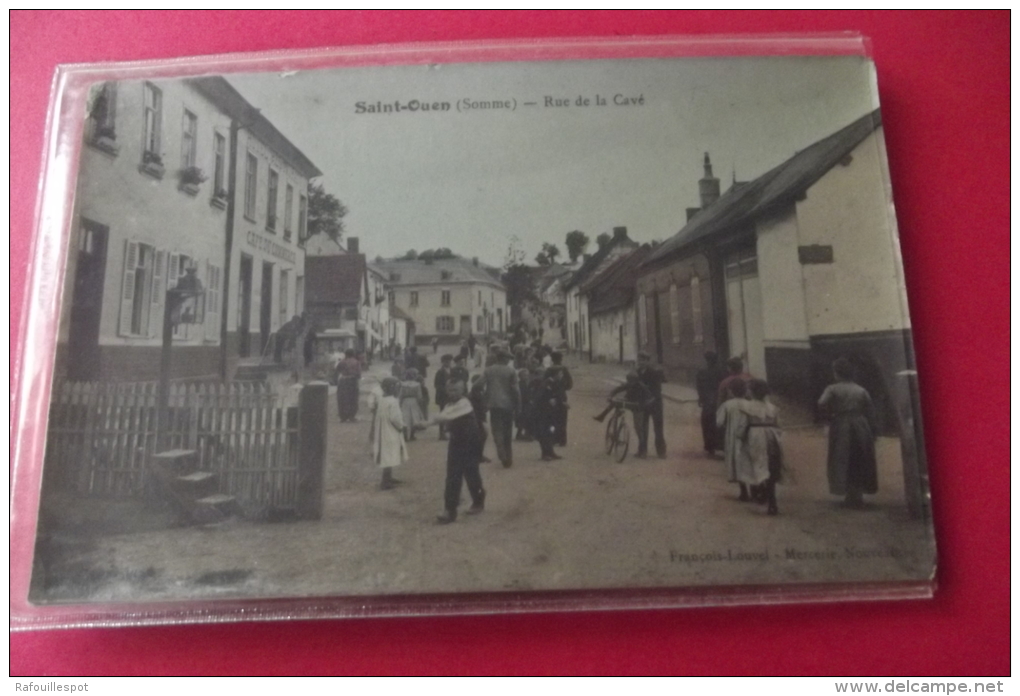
[583,522]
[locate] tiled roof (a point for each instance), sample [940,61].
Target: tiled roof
[741,205]
[614,287]
[596,259]
[438,272]
[334,279]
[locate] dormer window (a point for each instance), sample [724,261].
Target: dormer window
[445,275]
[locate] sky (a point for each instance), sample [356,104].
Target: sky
[471,179]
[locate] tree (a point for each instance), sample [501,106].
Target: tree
[325,213]
[577,242]
[520,288]
[603,239]
[411,255]
[547,256]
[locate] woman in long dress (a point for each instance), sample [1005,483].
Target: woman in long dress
[761,460]
[388,447]
[852,467]
[411,396]
[732,420]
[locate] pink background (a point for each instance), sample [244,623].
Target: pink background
[944,81]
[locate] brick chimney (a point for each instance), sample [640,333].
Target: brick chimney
[708,186]
[352,245]
[619,233]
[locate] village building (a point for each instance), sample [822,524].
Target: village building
[578,324]
[346,302]
[153,205]
[612,310]
[546,317]
[449,299]
[788,271]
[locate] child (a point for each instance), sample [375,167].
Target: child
[463,453]
[637,398]
[762,460]
[732,419]
[388,448]
[853,470]
[410,403]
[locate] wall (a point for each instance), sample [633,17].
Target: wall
[264,244]
[849,208]
[605,336]
[681,358]
[113,191]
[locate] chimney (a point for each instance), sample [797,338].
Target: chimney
[691,212]
[619,233]
[475,261]
[708,186]
[352,245]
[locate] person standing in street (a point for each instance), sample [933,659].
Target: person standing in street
[562,382]
[503,399]
[388,447]
[852,465]
[463,453]
[731,419]
[348,381]
[652,377]
[708,380]
[440,381]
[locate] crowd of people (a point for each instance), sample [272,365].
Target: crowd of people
[521,393]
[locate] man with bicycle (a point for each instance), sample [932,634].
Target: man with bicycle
[637,399]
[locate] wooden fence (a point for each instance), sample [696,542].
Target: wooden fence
[101,438]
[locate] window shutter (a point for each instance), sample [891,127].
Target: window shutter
[127,297]
[158,291]
[211,301]
[171,282]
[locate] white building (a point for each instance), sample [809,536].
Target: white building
[577,317]
[448,299]
[151,205]
[789,271]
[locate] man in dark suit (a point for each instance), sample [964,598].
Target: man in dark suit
[652,377]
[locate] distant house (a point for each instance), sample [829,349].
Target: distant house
[547,319]
[448,299]
[612,310]
[336,292]
[578,329]
[788,271]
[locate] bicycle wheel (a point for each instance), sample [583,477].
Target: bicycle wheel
[622,440]
[611,433]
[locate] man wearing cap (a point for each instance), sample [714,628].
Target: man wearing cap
[652,377]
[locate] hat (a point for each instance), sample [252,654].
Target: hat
[446,358]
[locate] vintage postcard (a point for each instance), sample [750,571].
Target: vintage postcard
[426,337]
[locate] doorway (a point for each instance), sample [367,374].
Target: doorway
[87,303]
[244,307]
[266,307]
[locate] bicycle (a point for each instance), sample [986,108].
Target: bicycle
[617,432]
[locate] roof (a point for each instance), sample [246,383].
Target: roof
[223,94]
[437,272]
[595,260]
[397,313]
[614,287]
[743,204]
[335,279]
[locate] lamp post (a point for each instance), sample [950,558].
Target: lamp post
[175,311]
